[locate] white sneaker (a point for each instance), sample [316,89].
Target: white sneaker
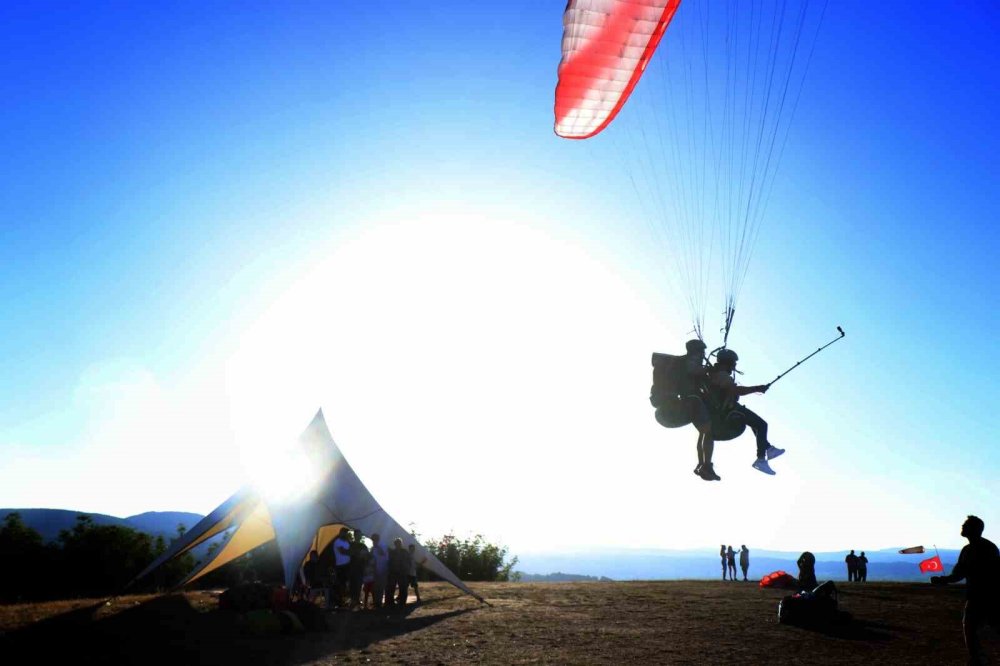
[773,452]
[761,465]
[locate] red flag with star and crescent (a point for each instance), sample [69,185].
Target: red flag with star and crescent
[931,565]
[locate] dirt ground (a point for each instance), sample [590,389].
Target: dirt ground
[662,622]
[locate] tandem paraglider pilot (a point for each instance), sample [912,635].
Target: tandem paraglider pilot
[678,396]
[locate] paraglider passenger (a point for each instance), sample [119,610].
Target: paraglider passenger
[727,394]
[979,565]
[807,571]
[744,560]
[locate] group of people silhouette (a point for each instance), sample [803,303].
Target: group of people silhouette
[728,556]
[857,567]
[348,568]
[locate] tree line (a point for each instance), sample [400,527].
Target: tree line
[91,560]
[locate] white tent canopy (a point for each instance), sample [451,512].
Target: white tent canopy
[308,521]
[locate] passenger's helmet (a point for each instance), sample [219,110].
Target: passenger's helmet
[727,357]
[695,346]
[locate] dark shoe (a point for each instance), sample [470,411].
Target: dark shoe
[697,470]
[708,473]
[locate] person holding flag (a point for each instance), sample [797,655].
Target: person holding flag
[979,565]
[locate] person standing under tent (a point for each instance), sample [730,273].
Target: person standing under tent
[311,578]
[380,555]
[342,564]
[726,394]
[744,560]
[368,583]
[399,572]
[979,565]
[413,570]
[359,557]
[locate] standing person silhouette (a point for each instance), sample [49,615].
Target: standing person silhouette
[852,566]
[979,565]
[731,559]
[725,562]
[862,573]
[744,560]
[380,554]
[342,565]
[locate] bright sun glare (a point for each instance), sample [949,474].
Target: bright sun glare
[280,474]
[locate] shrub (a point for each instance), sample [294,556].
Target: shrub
[474,559]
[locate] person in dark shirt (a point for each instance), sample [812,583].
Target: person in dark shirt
[311,578]
[725,560]
[852,566]
[356,568]
[979,565]
[724,395]
[807,571]
[862,573]
[744,560]
[399,574]
[731,560]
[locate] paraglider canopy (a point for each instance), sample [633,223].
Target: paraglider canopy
[780,580]
[698,100]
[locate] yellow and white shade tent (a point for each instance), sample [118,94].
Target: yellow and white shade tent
[308,521]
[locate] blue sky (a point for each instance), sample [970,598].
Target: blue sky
[216,221]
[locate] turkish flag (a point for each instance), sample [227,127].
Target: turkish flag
[931,565]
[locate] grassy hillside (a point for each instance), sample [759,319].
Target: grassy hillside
[674,622]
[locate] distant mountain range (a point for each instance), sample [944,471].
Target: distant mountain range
[652,564]
[592,564]
[49,522]
[560,577]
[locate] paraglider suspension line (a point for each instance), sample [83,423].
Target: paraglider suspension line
[730,311]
